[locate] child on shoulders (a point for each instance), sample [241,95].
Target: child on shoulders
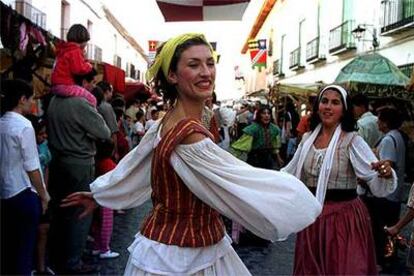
[70,61]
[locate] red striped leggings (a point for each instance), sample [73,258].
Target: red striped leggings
[102,228]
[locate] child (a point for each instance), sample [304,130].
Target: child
[45,157]
[138,129]
[103,217]
[70,62]
[154,117]
[22,191]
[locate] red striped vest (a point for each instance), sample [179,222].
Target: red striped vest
[178,216]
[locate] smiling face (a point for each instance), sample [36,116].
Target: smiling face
[330,108]
[195,74]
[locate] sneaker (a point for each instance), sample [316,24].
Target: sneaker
[96,252]
[109,255]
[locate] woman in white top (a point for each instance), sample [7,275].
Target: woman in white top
[328,160]
[194,170]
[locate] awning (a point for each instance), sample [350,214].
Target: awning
[136,90]
[115,76]
[300,89]
[202,10]
[373,69]
[375,76]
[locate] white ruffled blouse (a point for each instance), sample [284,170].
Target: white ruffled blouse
[270,204]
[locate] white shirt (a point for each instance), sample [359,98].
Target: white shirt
[149,124]
[271,204]
[18,154]
[392,147]
[368,129]
[138,127]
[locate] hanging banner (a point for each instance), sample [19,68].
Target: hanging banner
[258,53]
[152,49]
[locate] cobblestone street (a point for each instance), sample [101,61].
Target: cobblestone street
[275,259]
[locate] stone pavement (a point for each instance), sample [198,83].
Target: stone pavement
[274,259]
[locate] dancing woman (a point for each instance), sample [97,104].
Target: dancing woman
[329,159]
[191,180]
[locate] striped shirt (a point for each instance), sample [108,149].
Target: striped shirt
[179,217]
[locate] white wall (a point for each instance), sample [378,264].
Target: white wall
[102,31]
[285,18]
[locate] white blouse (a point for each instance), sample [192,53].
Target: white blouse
[270,204]
[361,157]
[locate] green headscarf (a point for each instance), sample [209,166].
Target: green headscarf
[163,59]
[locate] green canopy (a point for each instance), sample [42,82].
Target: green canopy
[375,76]
[373,69]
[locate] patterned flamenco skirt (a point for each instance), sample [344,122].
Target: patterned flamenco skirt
[340,242]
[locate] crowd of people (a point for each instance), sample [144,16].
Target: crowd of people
[335,176]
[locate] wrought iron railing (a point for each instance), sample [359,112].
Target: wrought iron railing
[276,67]
[33,14]
[340,37]
[294,58]
[407,69]
[117,61]
[93,52]
[397,14]
[312,49]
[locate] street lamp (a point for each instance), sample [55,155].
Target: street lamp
[359,33]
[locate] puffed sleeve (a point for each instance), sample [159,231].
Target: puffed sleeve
[129,184]
[361,157]
[270,204]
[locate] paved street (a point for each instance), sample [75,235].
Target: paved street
[275,259]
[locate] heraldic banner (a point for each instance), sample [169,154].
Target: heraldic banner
[258,53]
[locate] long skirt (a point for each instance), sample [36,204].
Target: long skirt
[339,242]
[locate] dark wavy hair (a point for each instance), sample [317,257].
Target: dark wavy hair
[78,33]
[391,117]
[162,86]
[259,114]
[348,122]
[11,90]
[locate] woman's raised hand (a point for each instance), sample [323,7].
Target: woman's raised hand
[77,199]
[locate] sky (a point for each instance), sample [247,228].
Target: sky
[144,21]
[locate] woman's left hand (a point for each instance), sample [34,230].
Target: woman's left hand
[383,167]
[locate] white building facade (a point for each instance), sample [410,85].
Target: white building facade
[312,40]
[107,43]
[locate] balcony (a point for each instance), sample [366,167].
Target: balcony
[93,52]
[294,60]
[117,61]
[36,16]
[398,16]
[341,39]
[312,51]
[407,69]
[277,69]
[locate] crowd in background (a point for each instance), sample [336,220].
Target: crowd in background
[86,130]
